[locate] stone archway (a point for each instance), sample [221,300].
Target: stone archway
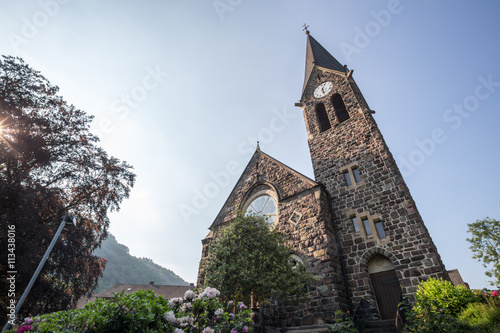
[385,285]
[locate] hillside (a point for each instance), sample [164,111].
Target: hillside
[127,269]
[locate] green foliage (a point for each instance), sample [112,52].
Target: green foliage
[123,268]
[248,258]
[142,311]
[343,323]
[485,246]
[481,316]
[441,307]
[441,296]
[134,312]
[50,165]
[433,322]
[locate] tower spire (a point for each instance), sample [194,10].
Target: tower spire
[317,55]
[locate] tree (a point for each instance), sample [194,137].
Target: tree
[248,259]
[50,165]
[485,246]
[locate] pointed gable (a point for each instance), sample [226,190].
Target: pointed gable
[263,171]
[317,55]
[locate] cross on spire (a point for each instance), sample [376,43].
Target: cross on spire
[305,28]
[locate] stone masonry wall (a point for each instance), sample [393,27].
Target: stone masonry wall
[382,194]
[304,216]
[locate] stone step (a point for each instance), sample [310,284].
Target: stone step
[303,329]
[380,326]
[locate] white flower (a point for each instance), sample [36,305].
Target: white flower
[187,320]
[189,295]
[175,301]
[219,312]
[178,330]
[209,293]
[186,307]
[170,317]
[207,330]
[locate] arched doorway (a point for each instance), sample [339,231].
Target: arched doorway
[386,286]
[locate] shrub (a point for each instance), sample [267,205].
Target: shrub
[143,311]
[343,323]
[440,296]
[437,304]
[481,316]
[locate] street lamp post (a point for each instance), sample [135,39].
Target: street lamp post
[66,219]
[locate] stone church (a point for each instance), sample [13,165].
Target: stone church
[355,226]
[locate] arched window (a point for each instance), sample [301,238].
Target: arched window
[263,205]
[323,121]
[339,107]
[296,260]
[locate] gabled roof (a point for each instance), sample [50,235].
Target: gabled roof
[259,156]
[317,55]
[456,278]
[166,291]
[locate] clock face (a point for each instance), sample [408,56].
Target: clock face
[323,89]
[264,206]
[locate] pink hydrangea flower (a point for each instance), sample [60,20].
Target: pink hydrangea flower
[24,328]
[494,294]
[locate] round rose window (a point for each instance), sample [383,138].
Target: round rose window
[264,206]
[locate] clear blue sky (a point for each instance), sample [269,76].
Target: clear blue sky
[183,89]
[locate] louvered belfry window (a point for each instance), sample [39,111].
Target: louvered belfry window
[323,121]
[339,107]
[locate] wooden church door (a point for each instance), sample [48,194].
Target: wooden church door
[387,291]
[385,285]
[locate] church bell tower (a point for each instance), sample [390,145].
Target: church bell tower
[385,248]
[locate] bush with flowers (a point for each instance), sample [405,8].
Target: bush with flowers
[143,311]
[438,295]
[483,316]
[440,306]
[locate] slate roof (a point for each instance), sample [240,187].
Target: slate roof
[456,278]
[166,291]
[319,56]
